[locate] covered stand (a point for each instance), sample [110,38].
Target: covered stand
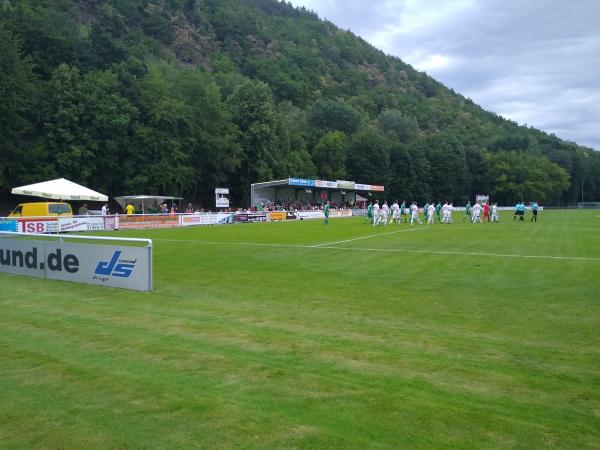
[145,203]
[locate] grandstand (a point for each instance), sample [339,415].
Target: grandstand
[310,191]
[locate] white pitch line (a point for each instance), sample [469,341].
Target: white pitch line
[366,237]
[389,250]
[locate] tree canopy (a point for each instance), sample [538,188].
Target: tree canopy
[181,96]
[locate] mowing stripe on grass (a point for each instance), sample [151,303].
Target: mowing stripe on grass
[390,250]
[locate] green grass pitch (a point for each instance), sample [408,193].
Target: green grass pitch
[300,335]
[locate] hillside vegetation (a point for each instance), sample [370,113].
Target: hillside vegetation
[181,96]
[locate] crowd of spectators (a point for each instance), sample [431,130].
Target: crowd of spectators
[298,205]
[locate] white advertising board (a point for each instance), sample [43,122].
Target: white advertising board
[310,215]
[222,197]
[121,266]
[326,184]
[85,223]
[206,219]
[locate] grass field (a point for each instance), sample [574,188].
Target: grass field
[297,335]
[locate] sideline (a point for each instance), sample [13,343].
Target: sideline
[388,250]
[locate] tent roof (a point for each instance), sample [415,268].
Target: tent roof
[60,189]
[124,199]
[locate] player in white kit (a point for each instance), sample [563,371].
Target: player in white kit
[384,213]
[476,213]
[414,213]
[495,212]
[395,212]
[430,212]
[446,213]
[376,213]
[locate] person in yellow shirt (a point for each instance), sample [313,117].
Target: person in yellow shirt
[129,209]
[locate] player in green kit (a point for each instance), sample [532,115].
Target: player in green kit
[326,212]
[369,215]
[438,210]
[467,211]
[403,212]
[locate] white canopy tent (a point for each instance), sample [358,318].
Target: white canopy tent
[144,202]
[60,189]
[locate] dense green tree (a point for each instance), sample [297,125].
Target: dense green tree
[180,96]
[158,162]
[368,159]
[332,115]
[448,172]
[253,111]
[16,91]
[403,126]
[514,176]
[330,154]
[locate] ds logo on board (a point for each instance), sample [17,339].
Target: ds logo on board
[115,267]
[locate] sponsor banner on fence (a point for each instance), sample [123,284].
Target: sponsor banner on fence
[38,225]
[206,219]
[310,214]
[147,221]
[277,215]
[107,265]
[291,215]
[341,213]
[87,223]
[10,225]
[251,217]
[359,212]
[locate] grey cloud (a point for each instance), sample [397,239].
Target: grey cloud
[534,62]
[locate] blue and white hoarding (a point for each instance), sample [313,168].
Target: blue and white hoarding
[304,182]
[120,266]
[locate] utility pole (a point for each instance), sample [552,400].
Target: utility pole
[582,181]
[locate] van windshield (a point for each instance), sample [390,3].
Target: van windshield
[59,208]
[18,210]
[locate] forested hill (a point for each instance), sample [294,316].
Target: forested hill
[181,96]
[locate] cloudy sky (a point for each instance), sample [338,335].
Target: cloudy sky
[536,62]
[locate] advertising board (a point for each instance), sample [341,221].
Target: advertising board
[277,215]
[146,221]
[341,213]
[362,187]
[343,184]
[326,184]
[121,266]
[310,215]
[10,225]
[301,182]
[86,223]
[251,217]
[38,225]
[222,197]
[376,188]
[206,219]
